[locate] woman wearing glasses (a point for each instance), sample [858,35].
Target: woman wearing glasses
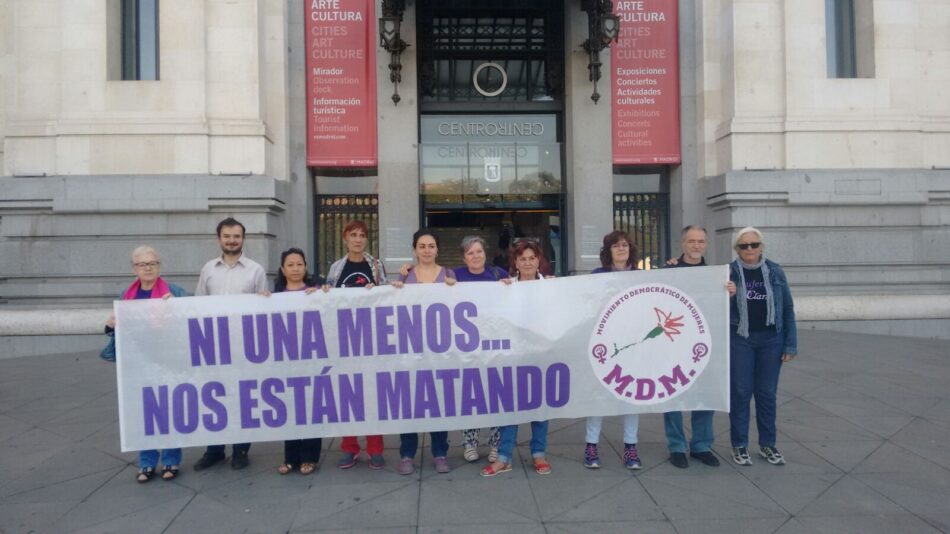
[762,338]
[618,253]
[146,265]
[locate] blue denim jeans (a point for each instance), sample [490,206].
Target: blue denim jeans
[409,443]
[631,425]
[149,458]
[509,436]
[702,423]
[754,366]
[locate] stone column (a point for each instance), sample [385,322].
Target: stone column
[398,135]
[589,169]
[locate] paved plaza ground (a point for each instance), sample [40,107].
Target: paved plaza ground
[864,422]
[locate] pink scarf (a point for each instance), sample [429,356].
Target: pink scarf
[159,290]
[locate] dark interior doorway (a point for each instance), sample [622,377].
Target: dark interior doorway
[500,229]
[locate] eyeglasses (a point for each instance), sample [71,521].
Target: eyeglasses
[746,246]
[148,264]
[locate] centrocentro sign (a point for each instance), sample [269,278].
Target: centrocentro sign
[650,344]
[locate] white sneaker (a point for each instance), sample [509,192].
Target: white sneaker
[740,455]
[493,455]
[772,455]
[471,452]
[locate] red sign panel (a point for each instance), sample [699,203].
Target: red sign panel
[644,72]
[341,83]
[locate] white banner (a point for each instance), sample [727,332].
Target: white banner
[233,369]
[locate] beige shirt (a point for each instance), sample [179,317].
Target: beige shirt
[247,276]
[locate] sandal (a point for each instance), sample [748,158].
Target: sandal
[285,468]
[307,467]
[541,466]
[490,470]
[145,474]
[169,472]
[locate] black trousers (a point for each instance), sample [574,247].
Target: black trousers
[298,451]
[218,450]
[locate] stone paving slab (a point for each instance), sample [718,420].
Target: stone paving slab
[863,421]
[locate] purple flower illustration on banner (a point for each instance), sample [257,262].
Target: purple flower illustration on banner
[665,324]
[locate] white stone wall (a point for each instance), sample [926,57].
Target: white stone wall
[589,169]
[846,177]
[844,182]
[91,166]
[398,145]
[767,102]
[220,106]
[7,63]
[65,240]
[850,161]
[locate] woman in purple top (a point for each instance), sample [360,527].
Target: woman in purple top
[618,253]
[475,270]
[302,454]
[425,271]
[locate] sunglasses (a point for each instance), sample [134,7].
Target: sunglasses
[746,246]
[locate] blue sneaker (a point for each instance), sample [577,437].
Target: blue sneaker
[630,457]
[376,461]
[591,459]
[347,461]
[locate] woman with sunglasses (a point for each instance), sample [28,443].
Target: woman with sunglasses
[762,337]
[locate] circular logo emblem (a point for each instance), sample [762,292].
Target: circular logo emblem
[650,344]
[489,68]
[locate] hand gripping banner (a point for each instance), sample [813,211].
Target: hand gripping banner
[231,369]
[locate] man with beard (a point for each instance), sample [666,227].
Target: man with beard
[694,247]
[232,273]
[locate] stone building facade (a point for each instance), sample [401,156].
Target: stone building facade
[849,177]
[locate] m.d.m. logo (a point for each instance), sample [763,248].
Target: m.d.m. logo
[650,344]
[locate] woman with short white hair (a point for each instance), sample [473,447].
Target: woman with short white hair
[148,284]
[762,338]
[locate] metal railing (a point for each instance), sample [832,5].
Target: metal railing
[646,218]
[333,213]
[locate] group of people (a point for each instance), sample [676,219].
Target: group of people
[761,323]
